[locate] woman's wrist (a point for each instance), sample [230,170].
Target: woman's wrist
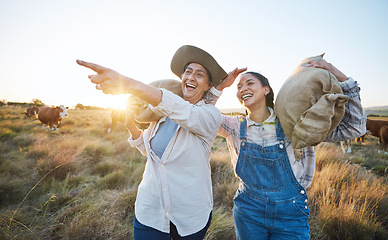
[342,78]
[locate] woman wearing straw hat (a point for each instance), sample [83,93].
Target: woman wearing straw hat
[174,198]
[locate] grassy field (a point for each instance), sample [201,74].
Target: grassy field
[81,183]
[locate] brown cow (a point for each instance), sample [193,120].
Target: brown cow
[32,112]
[117,116]
[383,136]
[374,126]
[360,139]
[52,117]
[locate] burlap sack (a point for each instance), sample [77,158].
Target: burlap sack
[310,104]
[141,110]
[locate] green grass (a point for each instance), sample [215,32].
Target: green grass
[81,183]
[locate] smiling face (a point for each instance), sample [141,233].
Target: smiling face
[250,91]
[195,82]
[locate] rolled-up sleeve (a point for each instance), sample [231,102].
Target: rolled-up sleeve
[212,96]
[353,123]
[202,119]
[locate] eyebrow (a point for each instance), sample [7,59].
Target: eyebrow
[249,80]
[195,70]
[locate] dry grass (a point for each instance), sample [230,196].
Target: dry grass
[81,183]
[347,201]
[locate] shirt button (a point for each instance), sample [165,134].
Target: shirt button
[281,146]
[306,201]
[302,192]
[243,144]
[305,207]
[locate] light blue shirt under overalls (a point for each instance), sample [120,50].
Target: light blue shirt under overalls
[270,203]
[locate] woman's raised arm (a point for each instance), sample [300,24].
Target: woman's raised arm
[112,82]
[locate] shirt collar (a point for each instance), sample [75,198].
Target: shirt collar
[269,120]
[200,103]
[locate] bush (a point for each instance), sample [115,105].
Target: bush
[114,180]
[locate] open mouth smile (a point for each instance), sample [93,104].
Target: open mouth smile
[246,96]
[190,86]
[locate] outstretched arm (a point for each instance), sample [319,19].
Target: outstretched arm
[112,82]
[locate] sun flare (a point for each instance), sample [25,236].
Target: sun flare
[112,101]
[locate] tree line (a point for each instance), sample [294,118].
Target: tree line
[39,103]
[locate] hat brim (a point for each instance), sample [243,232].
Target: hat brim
[191,54]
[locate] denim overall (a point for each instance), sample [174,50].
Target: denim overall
[269,203]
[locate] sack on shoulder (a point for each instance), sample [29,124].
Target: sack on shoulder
[310,104]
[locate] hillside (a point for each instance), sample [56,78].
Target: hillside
[232,110]
[377,108]
[378,111]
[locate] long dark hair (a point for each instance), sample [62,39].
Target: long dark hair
[264,82]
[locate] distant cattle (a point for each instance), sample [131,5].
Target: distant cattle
[346,146]
[360,139]
[32,112]
[117,116]
[383,136]
[374,126]
[52,117]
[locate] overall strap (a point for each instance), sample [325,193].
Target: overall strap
[243,129]
[279,131]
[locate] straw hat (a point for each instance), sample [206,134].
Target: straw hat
[191,54]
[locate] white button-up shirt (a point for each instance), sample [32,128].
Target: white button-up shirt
[177,187]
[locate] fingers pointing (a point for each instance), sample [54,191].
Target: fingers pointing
[98,78]
[95,67]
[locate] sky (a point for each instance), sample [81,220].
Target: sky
[42,39]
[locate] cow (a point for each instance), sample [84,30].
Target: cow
[373,126]
[32,112]
[52,117]
[360,139]
[383,137]
[117,116]
[346,146]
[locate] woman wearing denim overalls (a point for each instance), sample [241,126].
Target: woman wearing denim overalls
[271,201]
